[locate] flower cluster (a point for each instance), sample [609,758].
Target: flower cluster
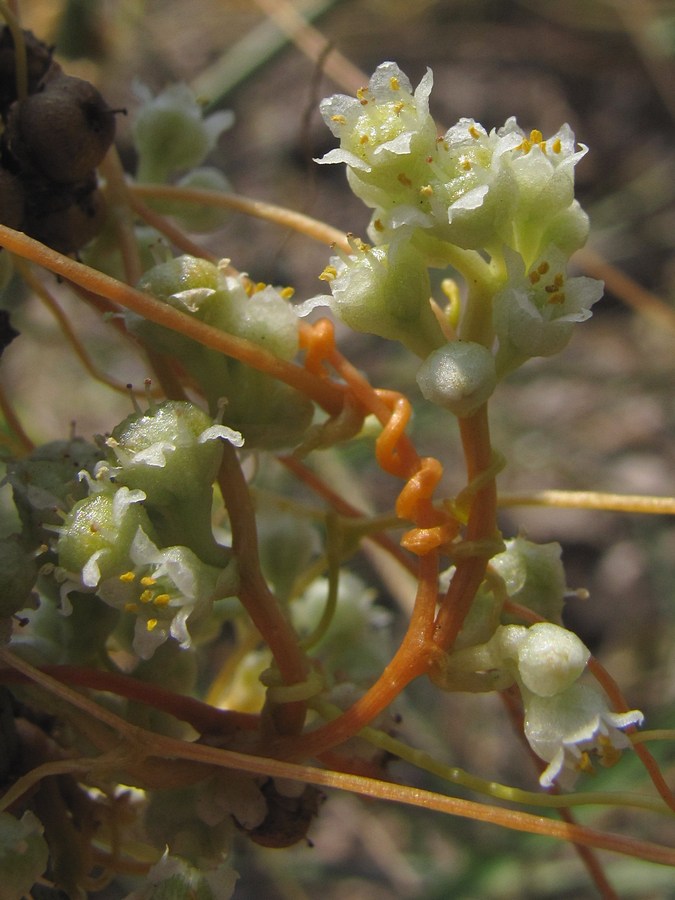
[166,460]
[498,206]
[566,718]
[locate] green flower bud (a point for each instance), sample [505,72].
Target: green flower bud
[171,133]
[171,452]
[459,376]
[268,413]
[533,576]
[550,658]
[383,291]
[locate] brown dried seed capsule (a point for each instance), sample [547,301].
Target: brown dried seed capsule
[63,131]
[65,217]
[38,61]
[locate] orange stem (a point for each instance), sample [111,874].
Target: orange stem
[482,525]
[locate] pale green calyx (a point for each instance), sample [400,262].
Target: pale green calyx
[459,376]
[383,291]
[535,312]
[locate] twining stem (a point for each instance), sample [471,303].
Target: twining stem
[254,594]
[481,526]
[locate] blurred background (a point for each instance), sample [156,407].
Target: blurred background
[600,416]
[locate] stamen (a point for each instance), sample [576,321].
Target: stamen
[557,145]
[427,190]
[399,107]
[287,293]
[151,624]
[127,577]
[394,83]
[404,180]
[364,139]
[474,132]
[146,596]
[339,119]
[377,225]
[328,274]
[162,600]
[148,581]
[131,607]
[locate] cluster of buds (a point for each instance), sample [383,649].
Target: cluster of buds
[497,206]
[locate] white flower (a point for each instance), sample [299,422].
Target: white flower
[384,120]
[164,589]
[175,878]
[534,314]
[566,728]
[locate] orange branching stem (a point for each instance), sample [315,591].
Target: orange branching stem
[325,393]
[160,747]
[481,526]
[254,594]
[411,660]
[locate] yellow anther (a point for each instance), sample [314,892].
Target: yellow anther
[287,292]
[377,225]
[364,139]
[534,277]
[328,274]
[465,164]
[558,297]
[543,268]
[536,137]
[361,93]
[474,132]
[162,600]
[127,577]
[427,190]
[131,607]
[339,119]
[147,581]
[559,280]
[394,83]
[146,596]
[557,145]
[151,624]
[399,107]
[404,180]
[260,286]
[585,764]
